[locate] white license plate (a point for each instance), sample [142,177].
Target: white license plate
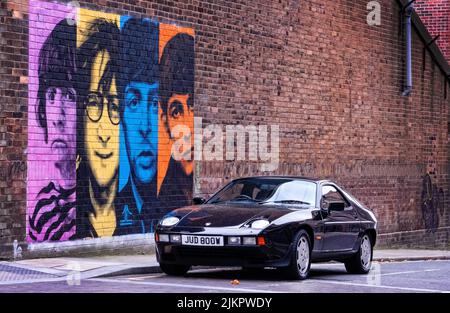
[190,240]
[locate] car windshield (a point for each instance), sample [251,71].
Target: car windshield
[268,191]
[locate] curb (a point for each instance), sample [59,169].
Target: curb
[416,258]
[132,271]
[122,245]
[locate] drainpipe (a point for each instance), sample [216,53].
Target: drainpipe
[408,9]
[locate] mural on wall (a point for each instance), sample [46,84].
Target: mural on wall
[432,203]
[98,120]
[177,114]
[111,102]
[51,191]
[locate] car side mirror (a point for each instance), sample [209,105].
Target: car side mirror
[324,205]
[198,200]
[329,206]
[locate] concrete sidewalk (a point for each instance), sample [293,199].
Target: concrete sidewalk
[83,267]
[103,266]
[396,255]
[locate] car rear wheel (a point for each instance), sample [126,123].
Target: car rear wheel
[300,257]
[361,262]
[174,269]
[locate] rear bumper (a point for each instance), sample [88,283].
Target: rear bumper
[251,256]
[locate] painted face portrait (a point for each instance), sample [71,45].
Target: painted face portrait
[180,121]
[102,121]
[60,103]
[98,124]
[140,120]
[56,109]
[177,97]
[140,81]
[52,111]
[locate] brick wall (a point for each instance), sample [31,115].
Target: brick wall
[436,16]
[330,82]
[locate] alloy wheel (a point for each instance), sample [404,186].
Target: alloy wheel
[366,252]
[303,255]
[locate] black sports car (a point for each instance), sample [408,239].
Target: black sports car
[256,222]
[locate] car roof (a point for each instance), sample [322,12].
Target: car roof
[311,179]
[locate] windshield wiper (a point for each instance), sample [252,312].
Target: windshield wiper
[290,201]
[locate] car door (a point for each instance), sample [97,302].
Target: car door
[341,226]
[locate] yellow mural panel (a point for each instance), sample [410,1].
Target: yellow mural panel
[101,116]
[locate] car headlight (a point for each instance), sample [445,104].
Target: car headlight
[259,224]
[170,221]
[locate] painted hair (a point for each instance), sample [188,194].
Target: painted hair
[57,65]
[139,52]
[102,35]
[177,69]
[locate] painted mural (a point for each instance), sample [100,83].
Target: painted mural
[110,99]
[433,203]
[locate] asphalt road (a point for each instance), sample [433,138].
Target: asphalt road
[393,277]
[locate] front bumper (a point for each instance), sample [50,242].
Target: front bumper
[268,255]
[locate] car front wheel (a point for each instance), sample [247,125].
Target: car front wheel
[174,269]
[300,257]
[361,262]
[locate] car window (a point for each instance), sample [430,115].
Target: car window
[301,191]
[332,194]
[232,192]
[268,190]
[246,190]
[253,191]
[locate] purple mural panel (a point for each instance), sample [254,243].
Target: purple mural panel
[52,123]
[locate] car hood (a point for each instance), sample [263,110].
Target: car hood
[229,215]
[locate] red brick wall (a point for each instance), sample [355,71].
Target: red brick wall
[13,120]
[315,68]
[436,16]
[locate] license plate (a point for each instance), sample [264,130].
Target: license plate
[190,240]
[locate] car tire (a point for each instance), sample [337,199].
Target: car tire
[300,257]
[361,261]
[174,269]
